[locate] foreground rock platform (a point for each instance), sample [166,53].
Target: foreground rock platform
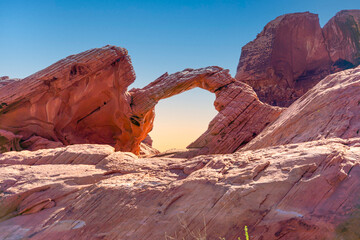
[297,191]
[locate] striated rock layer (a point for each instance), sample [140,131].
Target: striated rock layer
[298,191]
[293,53]
[330,109]
[84,99]
[79,99]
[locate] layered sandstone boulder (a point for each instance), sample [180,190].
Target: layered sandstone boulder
[79,99]
[298,191]
[330,109]
[293,53]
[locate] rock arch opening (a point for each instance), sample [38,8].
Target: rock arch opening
[181,119]
[241,115]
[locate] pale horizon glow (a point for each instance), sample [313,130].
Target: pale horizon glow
[179,122]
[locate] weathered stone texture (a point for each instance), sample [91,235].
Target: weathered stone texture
[298,191]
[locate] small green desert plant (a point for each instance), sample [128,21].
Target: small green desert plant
[198,235]
[246,235]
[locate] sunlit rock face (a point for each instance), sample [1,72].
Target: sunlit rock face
[293,53]
[80,99]
[242,116]
[84,99]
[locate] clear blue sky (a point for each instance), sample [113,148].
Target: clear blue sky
[161,36]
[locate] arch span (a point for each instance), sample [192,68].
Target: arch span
[241,115]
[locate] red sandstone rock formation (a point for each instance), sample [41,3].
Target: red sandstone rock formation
[9,141]
[84,99]
[241,115]
[4,80]
[330,109]
[299,191]
[79,99]
[308,189]
[276,63]
[342,34]
[293,53]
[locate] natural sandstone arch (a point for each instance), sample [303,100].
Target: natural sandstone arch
[84,99]
[241,115]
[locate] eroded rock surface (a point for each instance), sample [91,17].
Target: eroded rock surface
[298,191]
[293,53]
[330,109]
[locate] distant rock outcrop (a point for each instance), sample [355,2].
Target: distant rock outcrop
[5,80]
[293,53]
[342,35]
